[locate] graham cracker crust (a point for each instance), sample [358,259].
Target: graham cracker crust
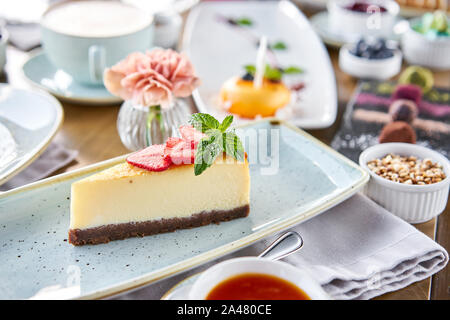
[104,234]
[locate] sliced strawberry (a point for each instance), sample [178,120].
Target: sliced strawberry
[152,158]
[172,144]
[182,153]
[173,141]
[190,134]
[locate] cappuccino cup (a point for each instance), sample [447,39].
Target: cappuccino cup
[82,38]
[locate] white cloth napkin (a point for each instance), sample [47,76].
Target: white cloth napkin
[53,158]
[356,250]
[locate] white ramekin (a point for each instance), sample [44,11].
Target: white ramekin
[229,268]
[349,22]
[380,69]
[412,203]
[420,50]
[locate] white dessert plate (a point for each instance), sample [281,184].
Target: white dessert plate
[38,262]
[28,121]
[41,73]
[219,51]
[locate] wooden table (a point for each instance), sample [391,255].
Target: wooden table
[92,131]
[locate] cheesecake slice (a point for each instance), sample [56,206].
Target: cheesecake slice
[158,190]
[125,201]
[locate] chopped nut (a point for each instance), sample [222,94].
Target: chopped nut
[408,170]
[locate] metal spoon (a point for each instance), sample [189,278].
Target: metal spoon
[283,246]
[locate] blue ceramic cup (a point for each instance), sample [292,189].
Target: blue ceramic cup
[85,56]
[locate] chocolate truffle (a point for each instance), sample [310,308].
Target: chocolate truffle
[403,110]
[398,131]
[408,91]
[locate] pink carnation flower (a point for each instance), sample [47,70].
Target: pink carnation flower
[152,78]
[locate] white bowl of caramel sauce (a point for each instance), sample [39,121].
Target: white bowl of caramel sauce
[253,278]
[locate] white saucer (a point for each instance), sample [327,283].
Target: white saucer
[320,24]
[40,72]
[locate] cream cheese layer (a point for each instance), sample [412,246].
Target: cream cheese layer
[124,193]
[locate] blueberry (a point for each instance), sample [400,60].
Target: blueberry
[365,54]
[248,77]
[381,55]
[361,46]
[380,43]
[389,54]
[377,46]
[358,48]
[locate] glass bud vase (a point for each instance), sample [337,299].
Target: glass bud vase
[140,126]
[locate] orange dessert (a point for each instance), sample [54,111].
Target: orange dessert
[241,97]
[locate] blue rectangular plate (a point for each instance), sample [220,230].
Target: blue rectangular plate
[37,260]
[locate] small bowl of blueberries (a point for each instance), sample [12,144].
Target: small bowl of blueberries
[371,58]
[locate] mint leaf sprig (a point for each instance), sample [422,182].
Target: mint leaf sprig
[279,45]
[218,139]
[244,21]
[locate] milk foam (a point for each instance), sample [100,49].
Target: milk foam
[95,19]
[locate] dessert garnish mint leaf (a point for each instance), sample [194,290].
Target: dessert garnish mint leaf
[218,139]
[226,123]
[203,122]
[233,145]
[273,73]
[292,70]
[244,21]
[207,151]
[278,46]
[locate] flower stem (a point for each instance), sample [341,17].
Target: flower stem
[154,113]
